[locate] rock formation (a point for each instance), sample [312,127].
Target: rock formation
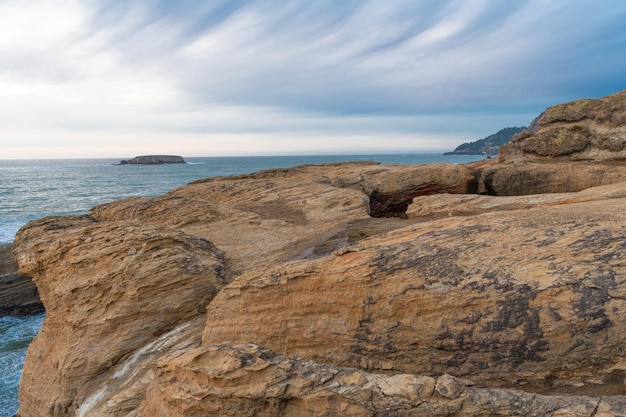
[581,130]
[18,294]
[343,289]
[527,298]
[109,290]
[252,381]
[153,160]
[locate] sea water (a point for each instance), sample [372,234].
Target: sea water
[31,189]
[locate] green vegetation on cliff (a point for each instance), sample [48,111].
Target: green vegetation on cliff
[489,145]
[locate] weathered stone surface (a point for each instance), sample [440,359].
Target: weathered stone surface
[109,290]
[526,177]
[524,294]
[18,294]
[112,282]
[448,205]
[280,214]
[525,298]
[581,130]
[252,381]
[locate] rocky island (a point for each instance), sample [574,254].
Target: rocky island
[153,160]
[355,289]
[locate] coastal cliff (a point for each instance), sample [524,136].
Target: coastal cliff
[353,289]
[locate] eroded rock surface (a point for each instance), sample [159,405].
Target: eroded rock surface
[18,293]
[117,280]
[580,130]
[395,297]
[529,297]
[109,290]
[251,381]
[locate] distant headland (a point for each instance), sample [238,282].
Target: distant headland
[154,160]
[488,145]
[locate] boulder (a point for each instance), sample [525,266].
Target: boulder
[18,293]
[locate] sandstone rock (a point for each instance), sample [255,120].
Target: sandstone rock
[529,295]
[252,381]
[275,215]
[525,298]
[524,178]
[116,280]
[447,205]
[580,130]
[103,304]
[18,293]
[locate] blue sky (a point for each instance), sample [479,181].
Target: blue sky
[88,78]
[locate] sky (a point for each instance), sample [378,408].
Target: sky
[90,78]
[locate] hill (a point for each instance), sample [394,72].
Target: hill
[489,145]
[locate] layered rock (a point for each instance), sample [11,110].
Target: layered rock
[581,130]
[528,298]
[523,177]
[18,293]
[569,147]
[252,381]
[117,280]
[393,293]
[109,290]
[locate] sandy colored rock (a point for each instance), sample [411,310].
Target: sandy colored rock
[282,214]
[103,304]
[115,281]
[539,177]
[528,298]
[317,262]
[251,381]
[580,130]
[447,205]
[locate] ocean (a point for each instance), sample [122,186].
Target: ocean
[31,189]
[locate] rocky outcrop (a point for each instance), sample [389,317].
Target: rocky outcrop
[526,298]
[569,147]
[251,381]
[371,290]
[526,294]
[109,291]
[581,130]
[18,293]
[522,177]
[448,205]
[153,160]
[121,284]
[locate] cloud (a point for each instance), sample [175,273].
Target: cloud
[442,69]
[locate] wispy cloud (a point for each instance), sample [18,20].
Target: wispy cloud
[447,70]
